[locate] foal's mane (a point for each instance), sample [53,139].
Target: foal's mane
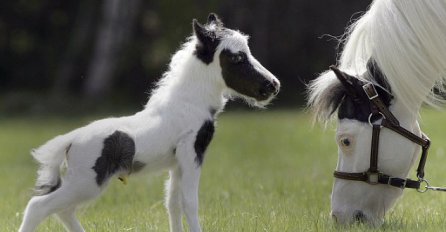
[406,40]
[178,59]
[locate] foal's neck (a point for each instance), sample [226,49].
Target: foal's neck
[191,84]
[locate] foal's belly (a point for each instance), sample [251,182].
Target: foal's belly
[149,163]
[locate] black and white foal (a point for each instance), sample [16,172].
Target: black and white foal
[172,132]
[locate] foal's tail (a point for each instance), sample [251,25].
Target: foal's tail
[50,156]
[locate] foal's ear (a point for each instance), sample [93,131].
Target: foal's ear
[204,35]
[214,19]
[199,29]
[207,42]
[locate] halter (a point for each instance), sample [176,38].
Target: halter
[373,176]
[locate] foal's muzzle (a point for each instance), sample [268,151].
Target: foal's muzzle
[269,88]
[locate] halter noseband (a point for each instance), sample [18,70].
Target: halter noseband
[388,120]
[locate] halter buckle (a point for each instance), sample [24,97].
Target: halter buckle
[370,91]
[372,177]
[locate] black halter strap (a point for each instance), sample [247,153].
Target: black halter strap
[389,121]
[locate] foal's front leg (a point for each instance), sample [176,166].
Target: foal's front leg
[189,181]
[189,188]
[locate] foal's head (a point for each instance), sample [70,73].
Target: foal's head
[227,50]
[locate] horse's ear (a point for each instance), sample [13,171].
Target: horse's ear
[214,19]
[349,82]
[325,94]
[377,74]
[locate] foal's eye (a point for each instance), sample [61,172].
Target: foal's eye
[237,58]
[345,142]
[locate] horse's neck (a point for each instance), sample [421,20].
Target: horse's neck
[406,116]
[190,85]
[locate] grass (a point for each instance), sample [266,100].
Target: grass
[264,171]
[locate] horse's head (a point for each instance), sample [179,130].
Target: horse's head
[409,51]
[359,192]
[227,51]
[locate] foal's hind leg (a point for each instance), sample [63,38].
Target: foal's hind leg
[68,219]
[68,196]
[34,214]
[173,200]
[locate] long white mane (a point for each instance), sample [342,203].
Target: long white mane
[406,38]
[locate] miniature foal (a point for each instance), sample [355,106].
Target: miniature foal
[172,132]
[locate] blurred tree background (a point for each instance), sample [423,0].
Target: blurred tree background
[79,56]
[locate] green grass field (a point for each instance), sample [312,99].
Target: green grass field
[264,171]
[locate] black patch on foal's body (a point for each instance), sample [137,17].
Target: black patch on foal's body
[204,137]
[117,155]
[357,105]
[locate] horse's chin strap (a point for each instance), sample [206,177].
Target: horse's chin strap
[382,117]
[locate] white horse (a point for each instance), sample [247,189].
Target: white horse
[398,46]
[172,132]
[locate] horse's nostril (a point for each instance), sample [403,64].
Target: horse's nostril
[359,216]
[334,217]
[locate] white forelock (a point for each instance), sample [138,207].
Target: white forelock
[407,41]
[237,41]
[320,95]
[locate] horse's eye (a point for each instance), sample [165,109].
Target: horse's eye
[237,58]
[346,144]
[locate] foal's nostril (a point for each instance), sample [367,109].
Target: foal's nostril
[263,93]
[359,216]
[276,84]
[276,87]
[268,88]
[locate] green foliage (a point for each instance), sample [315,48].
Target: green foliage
[264,171]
